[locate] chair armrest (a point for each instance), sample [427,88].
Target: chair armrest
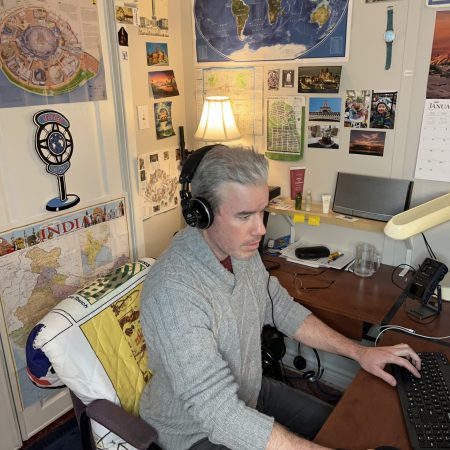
[134,430]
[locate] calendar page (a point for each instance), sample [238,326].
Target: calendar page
[433,158]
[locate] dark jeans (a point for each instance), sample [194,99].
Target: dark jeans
[301,413]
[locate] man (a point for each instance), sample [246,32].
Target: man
[204,304]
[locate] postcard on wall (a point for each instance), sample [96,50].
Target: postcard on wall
[158,185]
[288,78]
[285,127]
[382,109]
[433,157]
[325,109]
[438,85]
[157,54]
[153,17]
[163,84]
[273,79]
[163,120]
[367,142]
[323,136]
[319,79]
[126,15]
[261,30]
[357,105]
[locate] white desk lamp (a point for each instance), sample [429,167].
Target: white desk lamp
[217,122]
[418,219]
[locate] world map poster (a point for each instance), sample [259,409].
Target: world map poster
[264,30]
[50,52]
[43,263]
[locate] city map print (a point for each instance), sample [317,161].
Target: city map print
[46,54]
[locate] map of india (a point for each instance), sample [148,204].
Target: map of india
[44,263]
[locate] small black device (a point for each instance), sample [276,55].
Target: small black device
[313,252]
[196,210]
[371,197]
[422,286]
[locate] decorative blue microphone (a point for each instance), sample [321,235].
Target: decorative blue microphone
[54,145]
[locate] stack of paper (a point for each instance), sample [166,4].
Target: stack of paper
[339,263]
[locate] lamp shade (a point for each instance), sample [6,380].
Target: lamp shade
[217,122]
[420,218]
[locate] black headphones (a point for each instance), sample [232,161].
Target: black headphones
[196,210]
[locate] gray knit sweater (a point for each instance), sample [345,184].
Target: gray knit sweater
[202,325]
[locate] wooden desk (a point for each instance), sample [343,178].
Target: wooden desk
[346,305]
[369,414]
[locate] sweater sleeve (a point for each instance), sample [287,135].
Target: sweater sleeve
[288,314]
[198,375]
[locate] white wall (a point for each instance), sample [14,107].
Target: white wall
[414,26]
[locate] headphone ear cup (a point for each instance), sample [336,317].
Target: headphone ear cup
[198,213]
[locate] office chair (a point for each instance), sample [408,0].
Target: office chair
[92,343]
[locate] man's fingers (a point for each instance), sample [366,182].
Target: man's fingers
[407,352]
[403,362]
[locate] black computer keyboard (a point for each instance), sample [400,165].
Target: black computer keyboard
[426,401]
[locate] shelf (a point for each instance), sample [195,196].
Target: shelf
[330,218]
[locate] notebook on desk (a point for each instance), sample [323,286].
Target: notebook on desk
[340,262]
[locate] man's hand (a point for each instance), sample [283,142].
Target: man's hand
[374,360]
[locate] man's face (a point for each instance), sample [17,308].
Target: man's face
[238,224]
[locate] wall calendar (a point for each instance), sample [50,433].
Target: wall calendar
[433,158]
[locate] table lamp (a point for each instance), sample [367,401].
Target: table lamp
[418,219]
[217,122]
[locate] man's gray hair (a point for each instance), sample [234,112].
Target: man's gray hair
[224,164]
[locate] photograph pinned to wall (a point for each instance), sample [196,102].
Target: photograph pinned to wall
[288,78]
[438,86]
[163,120]
[273,79]
[126,15]
[162,84]
[357,105]
[325,109]
[382,109]
[157,54]
[319,79]
[366,142]
[285,127]
[271,31]
[50,67]
[153,17]
[158,188]
[323,136]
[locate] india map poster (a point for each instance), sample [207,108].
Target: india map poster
[50,53]
[43,263]
[258,30]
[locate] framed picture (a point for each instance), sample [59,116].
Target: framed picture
[437,3]
[271,31]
